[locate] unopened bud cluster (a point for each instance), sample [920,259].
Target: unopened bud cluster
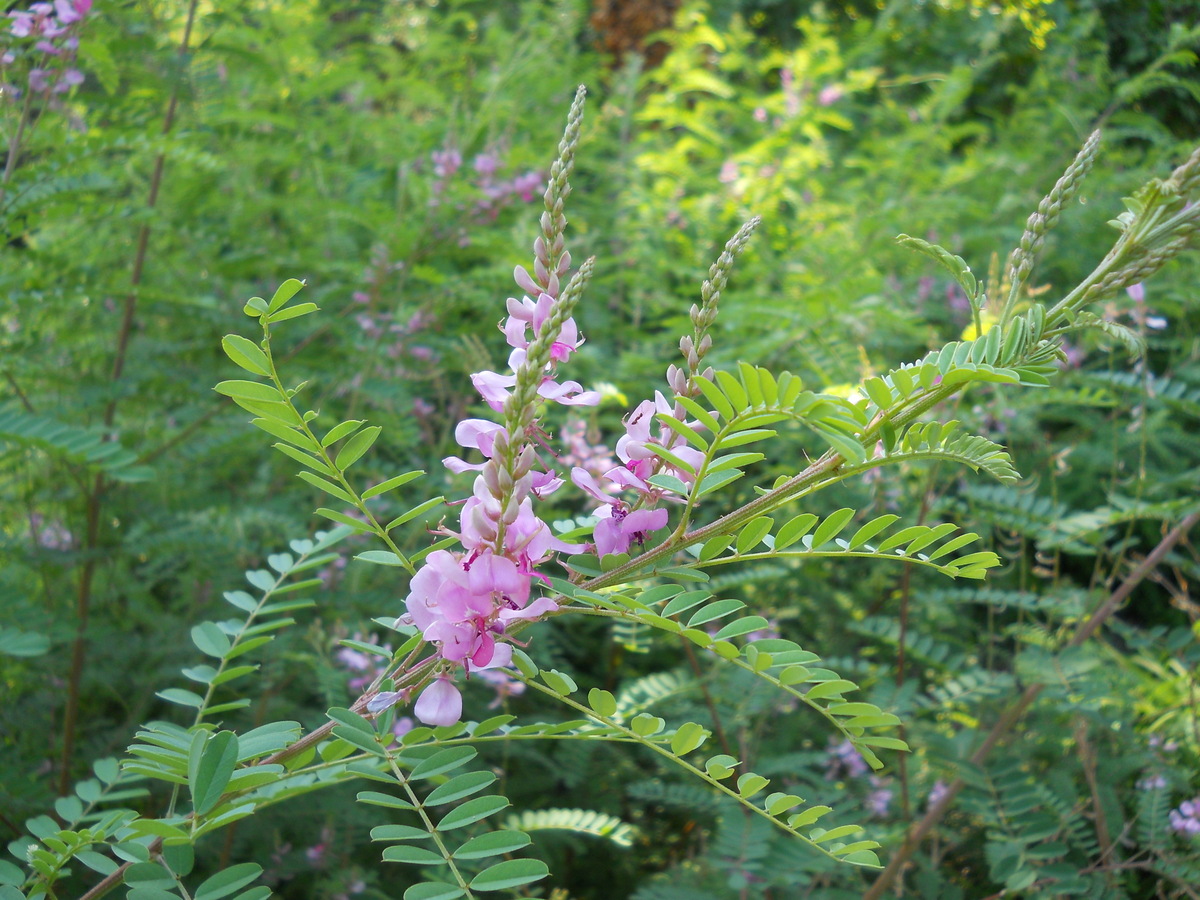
[1048,211]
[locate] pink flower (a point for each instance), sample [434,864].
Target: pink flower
[616,531]
[439,704]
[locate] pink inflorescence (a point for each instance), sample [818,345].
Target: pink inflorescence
[1186,818]
[50,30]
[464,602]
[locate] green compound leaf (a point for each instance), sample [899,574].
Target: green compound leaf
[509,874]
[248,390]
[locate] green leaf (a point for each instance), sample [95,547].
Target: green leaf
[292,312]
[646,725]
[225,883]
[391,484]
[287,433]
[433,890]
[702,415]
[460,786]
[399,833]
[872,528]
[217,762]
[509,874]
[794,529]
[285,292]
[255,306]
[754,532]
[714,396]
[415,512]
[246,354]
[720,766]
[682,429]
[328,487]
[305,459]
[733,389]
[688,737]
[472,811]
[381,558]
[492,844]
[830,689]
[356,446]
[833,525]
[561,684]
[182,697]
[249,390]
[443,761]
[375,798]
[337,432]
[349,521]
[716,610]
[604,703]
[750,784]
[210,640]
[414,856]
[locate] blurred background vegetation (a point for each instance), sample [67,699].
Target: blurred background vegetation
[392,153]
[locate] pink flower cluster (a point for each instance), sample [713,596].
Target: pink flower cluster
[464,602]
[638,449]
[494,192]
[51,28]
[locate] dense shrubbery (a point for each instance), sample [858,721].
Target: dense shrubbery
[394,156]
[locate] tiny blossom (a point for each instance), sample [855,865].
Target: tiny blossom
[503,683]
[1151,783]
[936,793]
[729,172]
[1185,819]
[879,800]
[843,757]
[830,95]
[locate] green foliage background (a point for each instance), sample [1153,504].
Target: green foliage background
[302,145]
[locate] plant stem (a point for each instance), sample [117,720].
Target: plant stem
[14,148]
[94,502]
[1013,714]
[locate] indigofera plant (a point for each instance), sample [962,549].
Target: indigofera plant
[657,529]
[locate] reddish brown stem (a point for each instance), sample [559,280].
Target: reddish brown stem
[95,497]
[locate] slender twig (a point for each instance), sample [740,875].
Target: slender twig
[14,148]
[1013,714]
[95,497]
[8,376]
[1087,761]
